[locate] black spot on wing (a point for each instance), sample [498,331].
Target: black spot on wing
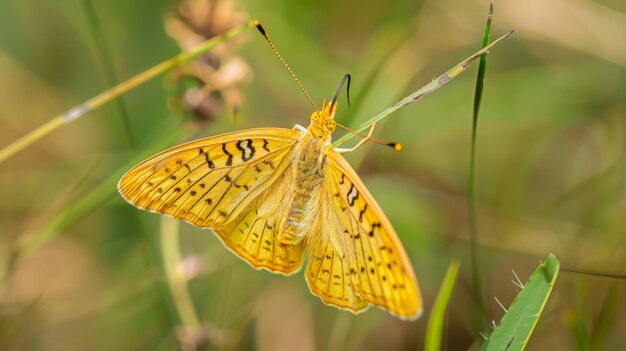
[265,145]
[352,195]
[269,163]
[374,226]
[208,160]
[362,212]
[229,161]
[246,148]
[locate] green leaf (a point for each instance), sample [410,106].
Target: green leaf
[518,323]
[438,314]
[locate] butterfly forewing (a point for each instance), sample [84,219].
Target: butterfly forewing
[380,270]
[208,182]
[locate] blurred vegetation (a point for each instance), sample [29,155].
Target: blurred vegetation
[551,171]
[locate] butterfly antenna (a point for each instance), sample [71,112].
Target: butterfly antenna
[395,146]
[258,26]
[345,77]
[594,273]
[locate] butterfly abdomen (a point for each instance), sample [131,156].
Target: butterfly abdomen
[306,181]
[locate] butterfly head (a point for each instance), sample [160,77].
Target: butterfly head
[323,121]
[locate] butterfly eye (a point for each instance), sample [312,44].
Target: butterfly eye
[316,116]
[329,126]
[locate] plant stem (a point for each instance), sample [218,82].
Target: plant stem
[339,334]
[170,244]
[109,95]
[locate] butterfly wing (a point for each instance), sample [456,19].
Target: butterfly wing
[210,181]
[253,235]
[361,244]
[233,183]
[328,271]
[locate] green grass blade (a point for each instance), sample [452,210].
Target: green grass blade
[427,89]
[437,316]
[482,65]
[606,320]
[518,323]
[479,294]
[89,202]
[108,70]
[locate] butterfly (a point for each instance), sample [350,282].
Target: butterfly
[275,196]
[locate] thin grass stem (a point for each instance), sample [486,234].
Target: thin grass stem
[170,246]
[425,90]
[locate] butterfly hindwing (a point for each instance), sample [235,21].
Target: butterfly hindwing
[208,182]
[253,234]
[328,273]
[366,244]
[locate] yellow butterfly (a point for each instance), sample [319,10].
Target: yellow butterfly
[276,195]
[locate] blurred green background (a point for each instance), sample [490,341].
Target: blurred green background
[551,171]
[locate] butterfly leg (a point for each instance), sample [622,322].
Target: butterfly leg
[360,143]
[299,127]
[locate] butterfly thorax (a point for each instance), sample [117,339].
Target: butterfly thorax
[309,160]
